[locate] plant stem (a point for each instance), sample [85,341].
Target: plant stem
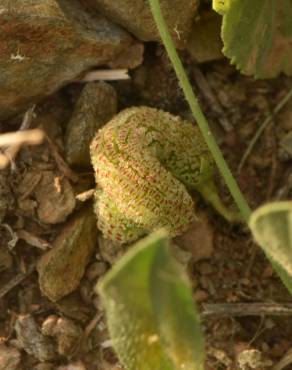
[197,112]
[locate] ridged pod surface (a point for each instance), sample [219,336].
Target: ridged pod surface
[144,161]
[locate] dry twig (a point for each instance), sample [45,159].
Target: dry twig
[246,309]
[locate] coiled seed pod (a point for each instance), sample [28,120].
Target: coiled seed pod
[144,161]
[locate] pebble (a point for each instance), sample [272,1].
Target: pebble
[32,340]
[61,269]
[9,358]
[65,331]
[96,105]
[198,240]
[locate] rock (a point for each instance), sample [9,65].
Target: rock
[9,358]
[67,333]
[109,251]
[32,340]
[204,42]
[61,269]
[73,307]
[136,17]
[47,44]
[49,193]
[95,270]
[55,197]
[253,359]
[96,105]
[198,239]
[130,58]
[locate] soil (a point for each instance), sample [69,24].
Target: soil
[235,272]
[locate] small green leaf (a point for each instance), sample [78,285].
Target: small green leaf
[150,312]
[271,226]
[257,35]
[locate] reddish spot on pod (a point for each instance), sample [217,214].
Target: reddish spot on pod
[118,237]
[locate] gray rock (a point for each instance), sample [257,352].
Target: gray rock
[46,44]
[96,105]
[136,17]
[32,340]
[61,269]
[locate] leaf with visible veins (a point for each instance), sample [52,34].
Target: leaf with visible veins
[257,36]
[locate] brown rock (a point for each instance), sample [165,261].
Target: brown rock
[96,105]
[67,333]
[32,340]
[205,43]
[61,269]
[9,358]
[55,198]
[198,239]
[47,44]
[136,17]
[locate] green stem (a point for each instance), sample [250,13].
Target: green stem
[197,112]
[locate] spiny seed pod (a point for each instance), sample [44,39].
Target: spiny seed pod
[144,161]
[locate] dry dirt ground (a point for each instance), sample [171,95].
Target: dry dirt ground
[233,270]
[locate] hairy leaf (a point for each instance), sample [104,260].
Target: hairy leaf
[151,316]
[257,35]
[271,226]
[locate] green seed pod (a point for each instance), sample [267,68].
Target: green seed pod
[144,161]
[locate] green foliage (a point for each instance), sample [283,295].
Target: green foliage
[150,311]
[271,226]
[257,35]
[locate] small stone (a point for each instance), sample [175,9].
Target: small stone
[55,198]
[9,358]
[61,269]
[32,340]
[110,251]
[67,333]
[250,359]
[47,44]
[136,17]
[198,239]
[96,105]
[201,296]
[205,43]
[73,307]
[96,270]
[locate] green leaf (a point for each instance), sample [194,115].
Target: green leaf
[150,312]
[271,226]
[257,35]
